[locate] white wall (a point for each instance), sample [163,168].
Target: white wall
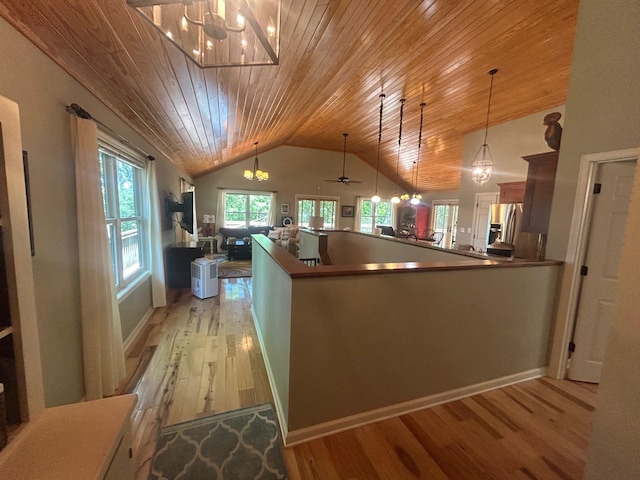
[295,170]
[43,90]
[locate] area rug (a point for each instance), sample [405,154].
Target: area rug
[234,269]
[238,445]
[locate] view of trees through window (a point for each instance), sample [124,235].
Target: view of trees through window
[313,207]
[246,209]
[374,214]
[121,183]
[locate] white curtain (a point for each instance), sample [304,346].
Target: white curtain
[272,211]
[102,348]
[358,222]
[158,288]
[220,208]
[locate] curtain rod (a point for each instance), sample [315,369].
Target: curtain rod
[78,111]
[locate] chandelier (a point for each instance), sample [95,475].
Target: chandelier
[416,197]
[256,173]
[218,33]
[482,165]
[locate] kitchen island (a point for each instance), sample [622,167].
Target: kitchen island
[352,343]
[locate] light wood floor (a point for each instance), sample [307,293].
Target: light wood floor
[199,357]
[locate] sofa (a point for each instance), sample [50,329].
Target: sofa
[239,233]
[286,237]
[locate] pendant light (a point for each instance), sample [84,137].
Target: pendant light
[396,198]
[482,165]
[416,197]
[376,197]
[256,173]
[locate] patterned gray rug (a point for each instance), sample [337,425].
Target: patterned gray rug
[238,445]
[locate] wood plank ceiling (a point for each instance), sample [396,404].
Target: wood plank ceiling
[336,57]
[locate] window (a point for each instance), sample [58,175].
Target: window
[374,214]
[445,218]
[244,209]
[124,197]
[324,207]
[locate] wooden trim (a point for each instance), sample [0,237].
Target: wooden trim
[329,428]
[296,269]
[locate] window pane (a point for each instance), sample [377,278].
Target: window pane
[114,255]
[126,190]
[259,207]
[235,210]
[384,212]
[305,211]
[131,253]
[328,213]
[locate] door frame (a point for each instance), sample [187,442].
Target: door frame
[576,252]
[474,224]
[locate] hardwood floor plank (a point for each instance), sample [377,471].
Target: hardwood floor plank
[204,358]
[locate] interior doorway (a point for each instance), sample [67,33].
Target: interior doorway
[610,205]
[480,226]
[594,242]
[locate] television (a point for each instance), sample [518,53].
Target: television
[185,208]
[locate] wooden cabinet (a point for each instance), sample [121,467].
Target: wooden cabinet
[538,193]
[512,192]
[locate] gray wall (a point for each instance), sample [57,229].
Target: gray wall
[42,90]
[603,106]
[603,114]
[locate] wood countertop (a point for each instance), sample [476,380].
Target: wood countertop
[468,261]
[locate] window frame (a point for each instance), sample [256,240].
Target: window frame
[374,216]
[247,212]
[116,152]
[318,199]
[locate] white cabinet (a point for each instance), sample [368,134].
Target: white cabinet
[81,441]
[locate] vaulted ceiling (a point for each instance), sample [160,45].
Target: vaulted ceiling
[336,58]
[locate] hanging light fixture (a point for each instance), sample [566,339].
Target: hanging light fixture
[217,33]
[376,197]
[416,197]
[482,165]
[260,175]
[396,198]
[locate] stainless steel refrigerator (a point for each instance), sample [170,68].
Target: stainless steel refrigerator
[505,236]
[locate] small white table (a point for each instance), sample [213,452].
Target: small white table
[212,243]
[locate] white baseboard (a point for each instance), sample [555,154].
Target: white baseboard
[136,331]
[282,419]
[328,428]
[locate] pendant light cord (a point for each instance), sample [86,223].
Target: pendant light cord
[399,142]
[382,96]
[486,126]
[422,105]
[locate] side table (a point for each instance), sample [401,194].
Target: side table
[212,243]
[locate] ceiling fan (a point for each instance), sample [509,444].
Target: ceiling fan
[344,179]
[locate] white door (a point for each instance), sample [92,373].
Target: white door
[597,296]
[481,219]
